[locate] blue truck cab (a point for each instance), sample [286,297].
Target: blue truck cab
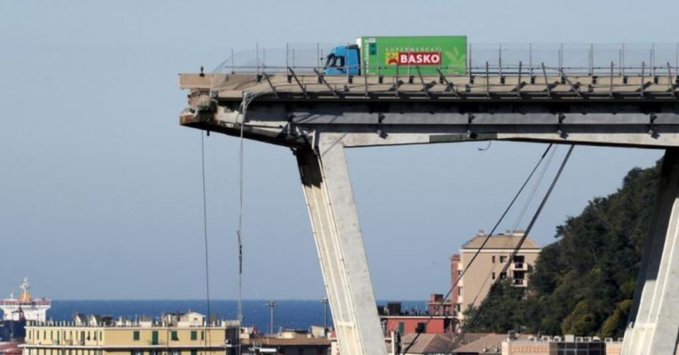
[343,60]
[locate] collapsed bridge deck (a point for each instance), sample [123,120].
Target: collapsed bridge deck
[318,116]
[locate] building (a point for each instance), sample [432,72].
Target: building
[440,307]
[408,321]
[492,263]
[507,344]
[566,345]
[288,342]
[175,334]
[414,344]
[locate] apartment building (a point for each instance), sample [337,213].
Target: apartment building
[175,334]
[494,261]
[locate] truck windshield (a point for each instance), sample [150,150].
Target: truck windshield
[330,60]
[334,61]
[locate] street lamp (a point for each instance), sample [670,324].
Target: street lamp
[272,305]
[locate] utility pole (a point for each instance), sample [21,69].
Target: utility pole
[325,312]
[272,305]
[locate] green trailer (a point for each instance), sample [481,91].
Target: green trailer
[390,56]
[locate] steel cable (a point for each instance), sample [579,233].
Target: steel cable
[485,241]
[524,236]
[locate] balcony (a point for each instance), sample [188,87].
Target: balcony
[519,266]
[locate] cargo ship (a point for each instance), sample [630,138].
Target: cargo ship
[16,312]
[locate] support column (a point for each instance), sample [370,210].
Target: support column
[654,320]
[334,220]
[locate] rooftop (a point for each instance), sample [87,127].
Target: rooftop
[427,343]
[500,241]
[178,320]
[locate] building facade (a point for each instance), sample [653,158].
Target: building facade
[177,334]
[439,306]
[288,342]
[471,283]
[409,321]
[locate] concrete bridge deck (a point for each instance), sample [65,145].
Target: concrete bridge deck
[286,108]
[290,85]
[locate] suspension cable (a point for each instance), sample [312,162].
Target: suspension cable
[247,99]
[524,209]
[534,190]
[519,218]
[205,238]
[239,231]
[504,214]
[523,237]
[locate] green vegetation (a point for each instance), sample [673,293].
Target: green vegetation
[582,284]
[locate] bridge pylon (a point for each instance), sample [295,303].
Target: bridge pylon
[341,252]
[654,320]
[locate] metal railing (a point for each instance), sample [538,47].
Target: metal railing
[496,59]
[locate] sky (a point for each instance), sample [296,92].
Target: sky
[100,187]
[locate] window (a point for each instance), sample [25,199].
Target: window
[135,335]
[519,259]
[334,61]
[401,328]
[339,62]
[194,335]
[421,328]
[194,352]
[503,258]
[330,61]
[503,276]
[492,259]
[493,275]
[372,48]
[137,352]
[202,335]
[174,335]
[459,289]
[154,337]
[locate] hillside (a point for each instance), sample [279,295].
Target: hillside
[584,282]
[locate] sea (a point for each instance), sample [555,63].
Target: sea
[288,314]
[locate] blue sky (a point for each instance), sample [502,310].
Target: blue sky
[100,188]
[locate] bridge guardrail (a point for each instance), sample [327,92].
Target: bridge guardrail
[587,58]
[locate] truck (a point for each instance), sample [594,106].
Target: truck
[392,56]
